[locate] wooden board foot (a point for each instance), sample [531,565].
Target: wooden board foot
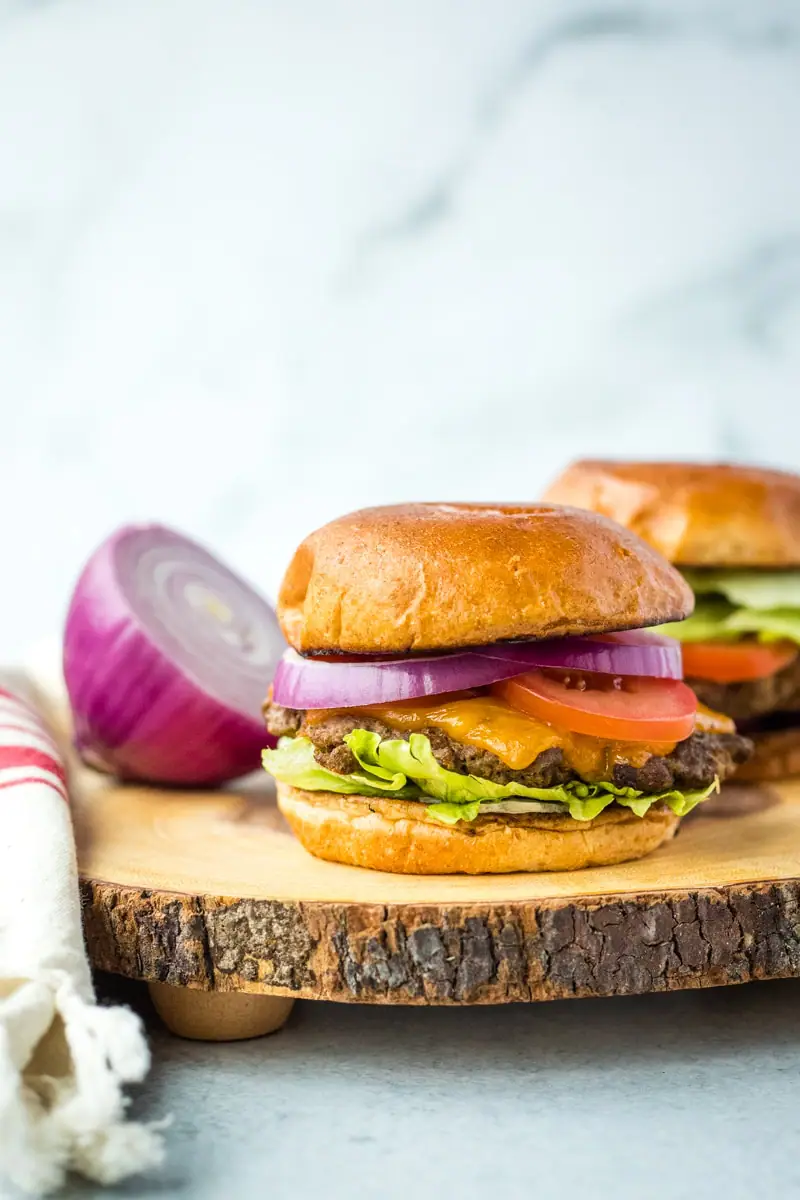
[218,1016]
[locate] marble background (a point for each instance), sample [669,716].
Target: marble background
[263,262]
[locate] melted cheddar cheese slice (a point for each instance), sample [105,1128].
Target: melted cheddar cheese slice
[518,739]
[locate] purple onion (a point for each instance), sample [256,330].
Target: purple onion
[309,683]
[633,652]
[168,656]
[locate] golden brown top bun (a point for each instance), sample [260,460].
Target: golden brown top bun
[695,514]
[418,577]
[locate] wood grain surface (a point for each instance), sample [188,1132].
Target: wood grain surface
[211,891]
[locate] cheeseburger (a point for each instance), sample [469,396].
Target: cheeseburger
[470,688]
[734,532]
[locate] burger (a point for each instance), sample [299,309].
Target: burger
[471,688]
[734,532]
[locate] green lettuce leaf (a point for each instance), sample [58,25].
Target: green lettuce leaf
[415,760]
[706,624]
[409,770]
[450,814]
[732,604]
[293,762]
[770,626]
[716,620]
[749,589]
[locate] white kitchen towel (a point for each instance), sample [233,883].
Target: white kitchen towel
[64,1060]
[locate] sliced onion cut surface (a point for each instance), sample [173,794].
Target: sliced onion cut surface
[168,656]
[310,683]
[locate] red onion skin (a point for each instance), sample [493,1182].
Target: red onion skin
[135,735]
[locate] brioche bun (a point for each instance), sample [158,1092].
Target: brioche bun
[695,514]
[400,836]
[420,577]
[776,756]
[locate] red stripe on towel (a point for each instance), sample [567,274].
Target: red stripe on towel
[26,725]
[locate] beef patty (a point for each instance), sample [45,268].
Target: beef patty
[778,693]
[693,764]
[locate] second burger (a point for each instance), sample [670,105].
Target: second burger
[734,533]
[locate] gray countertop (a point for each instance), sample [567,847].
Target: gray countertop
[669,1096]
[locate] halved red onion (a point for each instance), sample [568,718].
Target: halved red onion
[167,658]
[308,683]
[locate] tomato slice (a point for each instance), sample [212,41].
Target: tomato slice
[735,662]
[620,708]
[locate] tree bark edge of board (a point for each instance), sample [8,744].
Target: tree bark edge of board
[431,954]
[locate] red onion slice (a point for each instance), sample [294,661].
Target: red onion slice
[167,658]
[309,683]
[633,652]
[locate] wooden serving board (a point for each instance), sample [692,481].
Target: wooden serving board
[210,891]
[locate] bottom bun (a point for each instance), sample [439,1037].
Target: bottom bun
[400,836]
[776,756]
